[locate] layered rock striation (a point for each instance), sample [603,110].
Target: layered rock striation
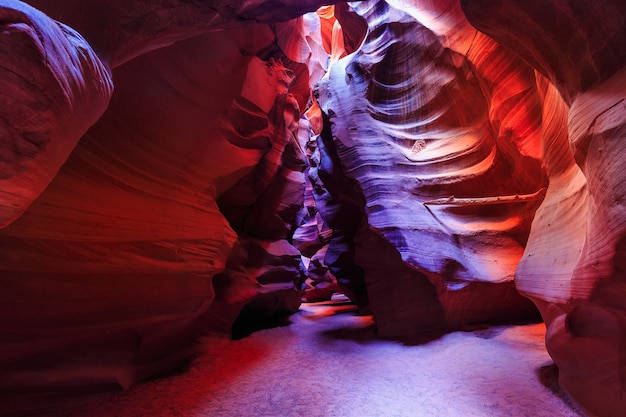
[158,181]
[573,265]
[54,88]
[173,213]
[445,149]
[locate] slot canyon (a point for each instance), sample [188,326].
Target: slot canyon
[177,176]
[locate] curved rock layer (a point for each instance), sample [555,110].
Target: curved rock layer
[120,31]
[573,265]
[53,88]
[446,150]
[445,160]
[126,258]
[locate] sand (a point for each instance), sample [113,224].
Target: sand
[327,362]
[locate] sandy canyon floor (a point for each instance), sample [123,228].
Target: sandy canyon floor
[327,362]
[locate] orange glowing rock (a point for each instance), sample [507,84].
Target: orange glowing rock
[572,267]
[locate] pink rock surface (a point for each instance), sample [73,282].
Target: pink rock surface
[446,166]
[119,31]
[572,268]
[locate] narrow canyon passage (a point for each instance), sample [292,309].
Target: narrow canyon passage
[173,172]
[327,362]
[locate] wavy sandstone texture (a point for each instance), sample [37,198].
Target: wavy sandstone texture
[452,151]
[53,88]
[445,150]
[171,215]
[573,266]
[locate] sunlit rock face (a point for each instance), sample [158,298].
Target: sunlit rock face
[573,265]
[172,213]
[444,149]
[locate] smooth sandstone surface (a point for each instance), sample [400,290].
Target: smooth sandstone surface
[444,150]
[53,88]
[172,168]
[572,268]
[126,258]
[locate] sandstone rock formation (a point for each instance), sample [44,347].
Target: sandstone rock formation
[445,150]
[172,212]
[54,88]
[573,265]
[452,152]
[385,104]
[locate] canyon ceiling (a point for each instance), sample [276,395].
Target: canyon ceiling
[173,168]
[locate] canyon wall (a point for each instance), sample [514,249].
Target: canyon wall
[175,168]
[572,268]
[444,151]
[171,216]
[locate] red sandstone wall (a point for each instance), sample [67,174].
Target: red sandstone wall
[153,164]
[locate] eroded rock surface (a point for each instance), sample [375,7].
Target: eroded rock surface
[447,165]
[573,265]
[108,276]
[53,88]
[446,154]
